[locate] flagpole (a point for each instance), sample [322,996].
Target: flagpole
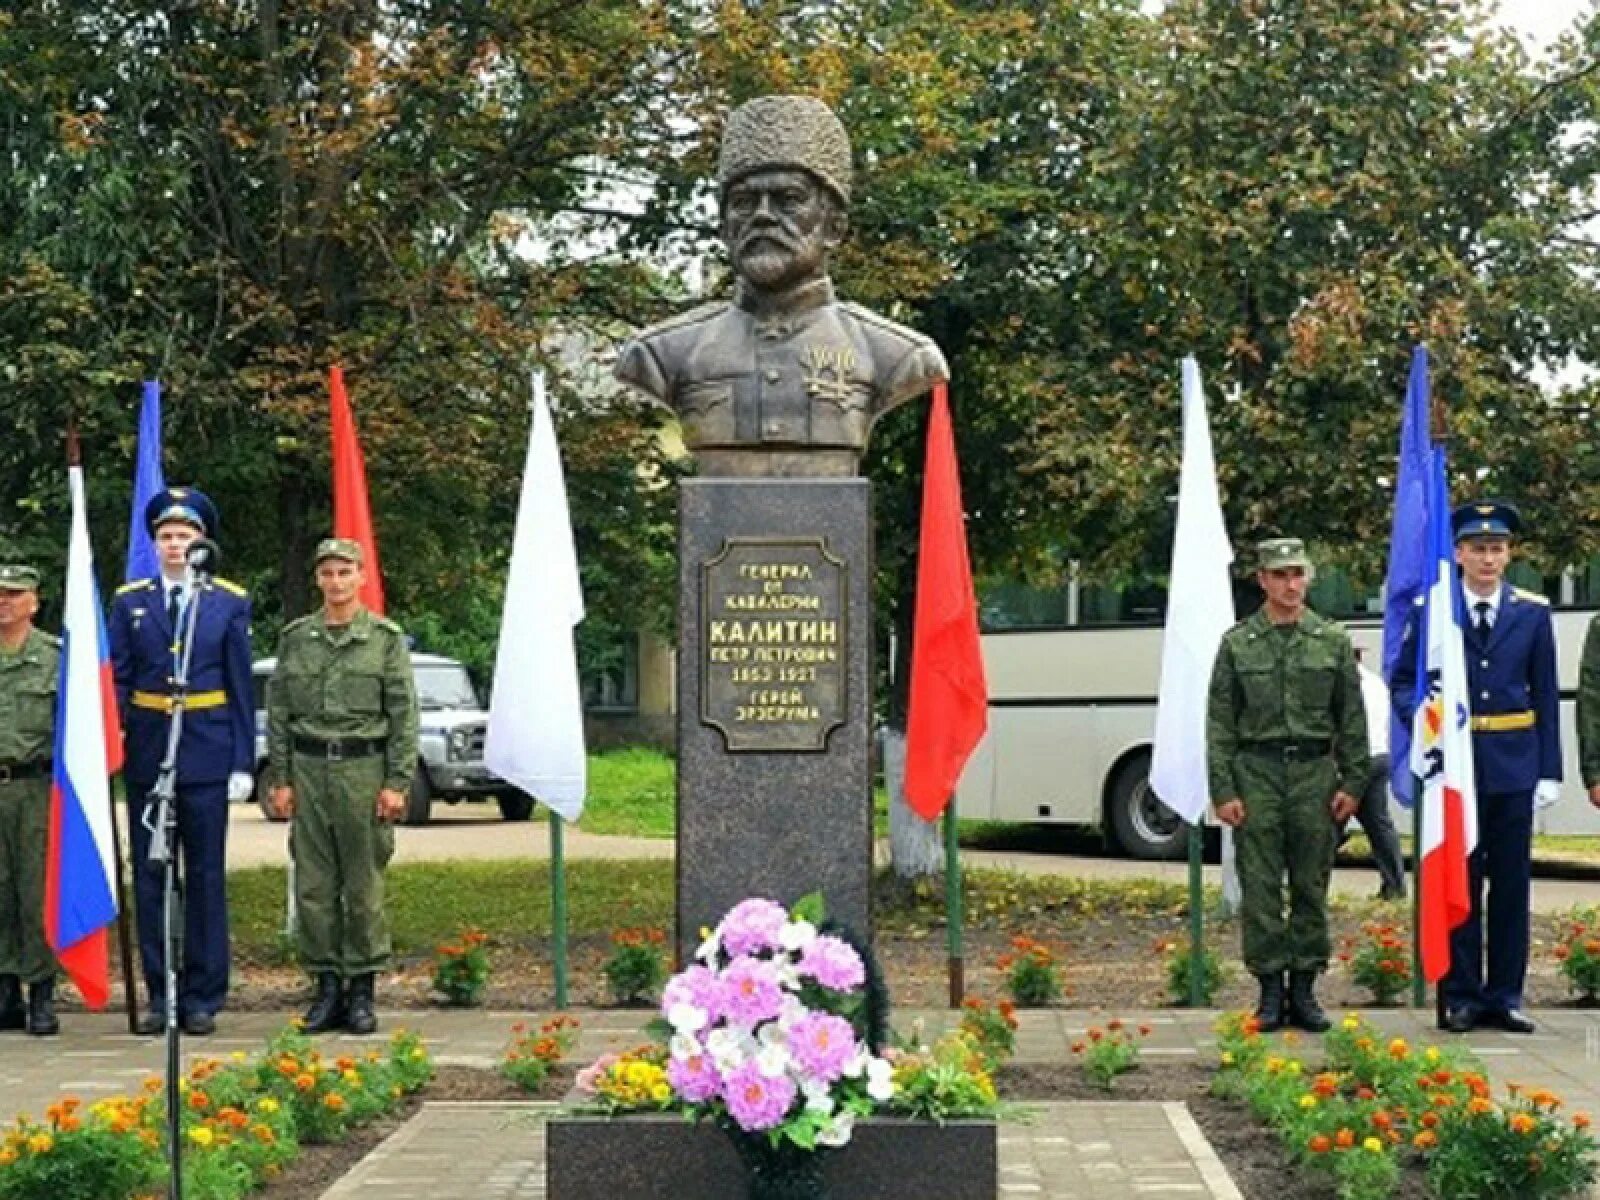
[124,938]
[954,918]
[1419,984]
[1197,917]
[558,904]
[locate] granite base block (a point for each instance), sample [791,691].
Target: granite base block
[665,1158]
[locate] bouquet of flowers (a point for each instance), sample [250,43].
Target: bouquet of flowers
[776,1032]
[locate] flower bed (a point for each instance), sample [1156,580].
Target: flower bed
[1379,1108]
[244,1120]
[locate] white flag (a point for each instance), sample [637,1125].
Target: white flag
[535,737]
[1199,612]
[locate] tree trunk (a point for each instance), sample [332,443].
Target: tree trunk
[915,847]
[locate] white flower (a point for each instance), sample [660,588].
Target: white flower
[880,1079]
[795,936]
[707,951]
[819,1096]
[787,973]
[686,1018]
[729,1048]
[791,1013]
[772,1060]
[837,1131]
[857,1064]
[684,1046]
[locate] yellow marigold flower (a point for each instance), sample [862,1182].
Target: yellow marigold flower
[1294,1066]
[7,1157]
[41,1143]
[1308,1101]
[268,1105]
[1398,1048]
[660,1093]
[201,1135]
[1431,1054]
[1227,1058]
[352,1076]
[1372,1144]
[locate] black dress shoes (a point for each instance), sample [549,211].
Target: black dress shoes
[199,1024]
[151,1023]
[1458,1020]
[1513,1020]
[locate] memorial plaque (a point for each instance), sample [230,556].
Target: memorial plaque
[772,644]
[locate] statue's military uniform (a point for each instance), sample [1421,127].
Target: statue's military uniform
[816,377]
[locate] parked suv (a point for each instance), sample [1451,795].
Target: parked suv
[452,725]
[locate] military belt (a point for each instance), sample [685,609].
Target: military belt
[338,749]
[17,772]
[1291,748]
[161,702]
[1504,722]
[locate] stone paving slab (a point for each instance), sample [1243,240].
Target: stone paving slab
[1114,1151]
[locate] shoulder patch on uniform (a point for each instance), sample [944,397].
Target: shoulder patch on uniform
[298,622]
[386,623]
[867,317]
[695,316]
[1530,597]
[229,585]
[51,638]
[138,585]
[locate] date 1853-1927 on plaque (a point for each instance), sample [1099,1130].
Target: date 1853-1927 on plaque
[772,643]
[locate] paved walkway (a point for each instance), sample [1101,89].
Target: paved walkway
[1122,1152]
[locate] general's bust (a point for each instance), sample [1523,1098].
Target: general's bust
[784,379]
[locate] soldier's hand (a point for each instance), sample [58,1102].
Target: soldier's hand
[391,805]
[1344,806]
[282,802]
[1231,812]
[1594,795]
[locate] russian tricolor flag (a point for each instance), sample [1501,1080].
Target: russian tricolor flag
[80,884]
[1441,744]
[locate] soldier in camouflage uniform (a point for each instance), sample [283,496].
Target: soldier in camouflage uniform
[1589,712]
[342,741]
[1286,744]
[29,664]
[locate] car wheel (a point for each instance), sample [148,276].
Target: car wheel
[263,793]
[1141,825]
[419,799]
[515,806]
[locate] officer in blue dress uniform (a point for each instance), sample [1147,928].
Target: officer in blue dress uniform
[216,755]
[1516,749]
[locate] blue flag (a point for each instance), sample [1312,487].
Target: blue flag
[147,481]
[1410,565]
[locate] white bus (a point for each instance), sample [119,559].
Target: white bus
[1072,714]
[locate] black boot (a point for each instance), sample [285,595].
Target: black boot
[327,1009]
[1269,1012]
[361,1018]
[42,1009]
[12,1015]
[1304,1010]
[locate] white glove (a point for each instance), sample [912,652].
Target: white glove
[240,786]
[1547,793]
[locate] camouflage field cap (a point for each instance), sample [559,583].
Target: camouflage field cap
[15,577]
[1276,553]
[345,548]
[771,132]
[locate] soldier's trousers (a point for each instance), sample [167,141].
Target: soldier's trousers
[1288,834]
[340,849]
[24,834]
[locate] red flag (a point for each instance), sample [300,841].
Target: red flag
[352,512]
[949,704]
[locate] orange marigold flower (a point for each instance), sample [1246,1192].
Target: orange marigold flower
[304,1082]
[1522,1123]
[1581,1120]
[1425,1140]
[1319,1144]
[1344,1139]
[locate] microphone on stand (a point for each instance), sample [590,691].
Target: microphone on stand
[202,557]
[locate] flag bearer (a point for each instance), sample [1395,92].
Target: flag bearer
[29,669]
[1516,755]
[342,740]
[1286,747]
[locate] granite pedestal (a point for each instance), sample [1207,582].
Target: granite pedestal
[774,697]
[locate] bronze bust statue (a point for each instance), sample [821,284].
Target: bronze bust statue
[784,380]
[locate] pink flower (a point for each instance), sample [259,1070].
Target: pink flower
[756,1102]
[750,992]
[833,964]
[752,925]
[696,986]
[695,1078]
[822,1045]
[586,1079]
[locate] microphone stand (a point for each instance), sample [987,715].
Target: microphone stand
[164,850]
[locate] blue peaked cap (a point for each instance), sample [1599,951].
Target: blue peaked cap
[186,504]
[1486,518]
